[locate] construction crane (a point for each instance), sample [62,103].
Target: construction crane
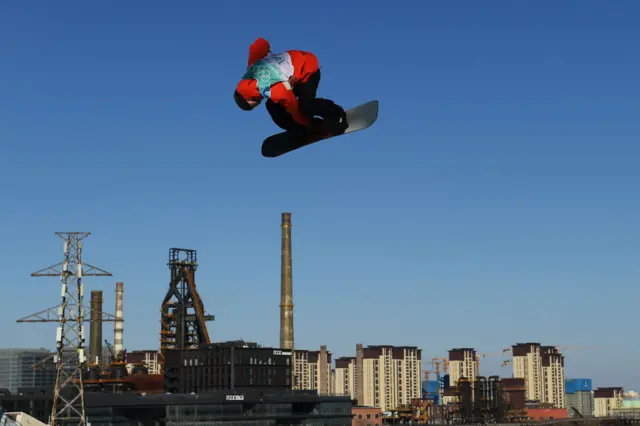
[440,364]
[484,355]
[559,348]
[438,361]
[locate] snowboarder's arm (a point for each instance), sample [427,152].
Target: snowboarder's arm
[258,50]
[280,94]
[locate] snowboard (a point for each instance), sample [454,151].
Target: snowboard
[359,118]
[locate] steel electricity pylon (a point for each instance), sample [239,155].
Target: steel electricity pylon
[70,360]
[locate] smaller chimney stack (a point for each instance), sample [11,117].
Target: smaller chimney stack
[118,346]
[95,342]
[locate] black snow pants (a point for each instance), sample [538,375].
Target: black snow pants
[311,106]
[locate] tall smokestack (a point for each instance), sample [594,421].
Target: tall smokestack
[360,374]
[118,346]
[95,342]
[286,287]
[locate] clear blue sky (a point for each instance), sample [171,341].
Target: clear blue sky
[495,201]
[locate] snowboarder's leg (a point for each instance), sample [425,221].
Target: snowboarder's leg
[310,105]
[282,118]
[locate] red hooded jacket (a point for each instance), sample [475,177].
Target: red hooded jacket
[296,66]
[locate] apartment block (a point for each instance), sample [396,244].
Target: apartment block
[462,363]
[312,370]
[392,376]
[17,369]
[527,365]
[346,377]
[606,399]
[553,387]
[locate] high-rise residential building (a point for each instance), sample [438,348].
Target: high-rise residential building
[606,399]
[392,376]
[527,365]
[345,377]
[553,391]
[462,363]
[312,370]
[332,382]
[17,371]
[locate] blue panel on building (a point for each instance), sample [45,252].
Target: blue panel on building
[578,385]
[432,387]
[446,380]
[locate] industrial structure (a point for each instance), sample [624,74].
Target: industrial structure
[286,286]
[183,320]
[250,381]
[190,379]
[68,406]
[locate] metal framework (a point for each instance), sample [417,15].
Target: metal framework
[68,402]
[183,321]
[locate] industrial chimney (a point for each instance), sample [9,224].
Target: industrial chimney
[118,325]
[95,342]
[286,287]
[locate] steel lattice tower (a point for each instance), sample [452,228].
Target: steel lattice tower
[68,403]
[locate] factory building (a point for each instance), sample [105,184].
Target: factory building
[527,365]
[148,358]
[312,370]
[248,407]
[606,400]
[227,366]
[462,364]
[514,390]
[579,397]
[392,376]
[17,369]
[552,376]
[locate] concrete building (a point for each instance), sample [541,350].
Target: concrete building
[366,416]
[630,410]
[606,400]
[16,369]
[345,377]
[462,363]
[312,370]
[332,382]
[579,397]
[527,365]
[553,390]
[392,376]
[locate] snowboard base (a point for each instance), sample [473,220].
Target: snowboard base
[359,118]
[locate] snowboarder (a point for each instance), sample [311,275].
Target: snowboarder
[289,81]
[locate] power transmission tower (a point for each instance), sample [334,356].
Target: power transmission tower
[68,399]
